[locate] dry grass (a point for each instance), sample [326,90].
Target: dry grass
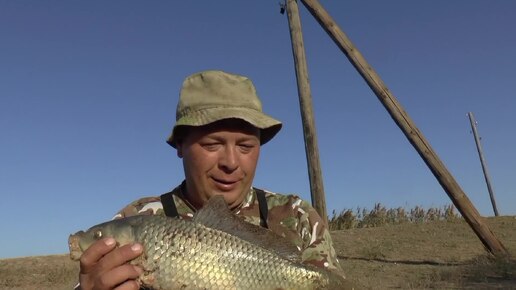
[416,251]
[438,254]
[381,216]
[41,272]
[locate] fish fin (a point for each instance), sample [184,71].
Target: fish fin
[216,215]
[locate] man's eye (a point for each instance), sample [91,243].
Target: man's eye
[246,147]
[210,146]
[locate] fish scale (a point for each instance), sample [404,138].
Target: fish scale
[215,250]
[222,260]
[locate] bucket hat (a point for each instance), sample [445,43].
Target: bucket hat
[211,96]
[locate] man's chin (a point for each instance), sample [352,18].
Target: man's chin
[232,198]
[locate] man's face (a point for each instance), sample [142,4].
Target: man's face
[219,159]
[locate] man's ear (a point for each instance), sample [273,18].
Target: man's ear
[179,148]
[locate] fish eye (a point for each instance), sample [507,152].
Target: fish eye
[98,234]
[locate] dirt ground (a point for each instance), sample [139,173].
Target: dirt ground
[56,272]
[439,255]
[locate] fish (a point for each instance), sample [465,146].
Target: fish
[214,250]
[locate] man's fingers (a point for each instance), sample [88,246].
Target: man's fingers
[105,266]
[128,285]
[120,256]
[95,252]
[120,276]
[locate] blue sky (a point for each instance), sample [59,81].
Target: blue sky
[88,92]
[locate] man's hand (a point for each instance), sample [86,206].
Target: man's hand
[103,266]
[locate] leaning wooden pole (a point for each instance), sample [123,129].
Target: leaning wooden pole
[408,127]
[305,101]
[483,161]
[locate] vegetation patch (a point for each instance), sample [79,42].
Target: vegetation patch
[381,216]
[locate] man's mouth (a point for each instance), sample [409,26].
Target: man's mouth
[224,184]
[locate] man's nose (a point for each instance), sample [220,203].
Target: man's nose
[229,159]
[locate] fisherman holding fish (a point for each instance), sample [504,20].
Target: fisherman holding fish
[220,127]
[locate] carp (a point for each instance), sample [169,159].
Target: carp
[214,250]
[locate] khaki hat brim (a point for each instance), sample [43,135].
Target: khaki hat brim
[268,126]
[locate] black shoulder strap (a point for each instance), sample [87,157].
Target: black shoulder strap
[262,206]
[169,206]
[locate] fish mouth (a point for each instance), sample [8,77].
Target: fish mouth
[75,248]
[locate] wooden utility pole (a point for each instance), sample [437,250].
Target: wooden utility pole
[482,161]
[305,101]
[405,123]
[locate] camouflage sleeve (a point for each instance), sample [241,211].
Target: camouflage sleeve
[296,220]
[142,206]
[317,246]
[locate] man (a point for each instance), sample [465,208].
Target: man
[219,129]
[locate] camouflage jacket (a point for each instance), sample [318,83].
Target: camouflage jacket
[288,216]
